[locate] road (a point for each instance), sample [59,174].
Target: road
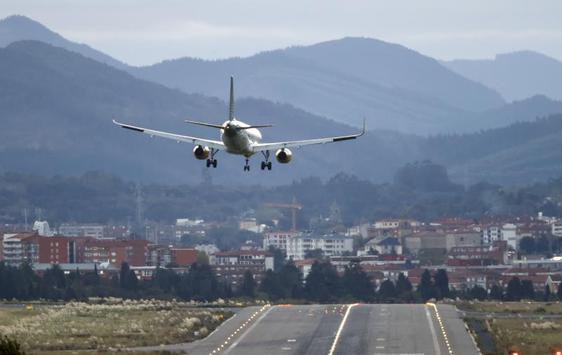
[374,329]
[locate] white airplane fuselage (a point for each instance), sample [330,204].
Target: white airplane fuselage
[239,141]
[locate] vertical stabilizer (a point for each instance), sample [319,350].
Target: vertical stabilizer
[231,103]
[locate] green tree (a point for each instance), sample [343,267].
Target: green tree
[442,283]
[547,293]
[248,287]
[527,245]
[527,290]
[387,291]
[127,278]
[322,283]
[403,285]
[278,258]
[426,288]
[478,292]
[290,278]
[513,292]
[357,283]
[271,285]
[200,283]
[496,293]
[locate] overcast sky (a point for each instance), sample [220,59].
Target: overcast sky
[144,32]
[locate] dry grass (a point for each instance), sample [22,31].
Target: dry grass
[513,307]
[530,337]
[120,324]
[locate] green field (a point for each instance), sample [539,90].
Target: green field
[107,327]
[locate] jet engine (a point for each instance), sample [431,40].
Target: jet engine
[201,152]
[283,155]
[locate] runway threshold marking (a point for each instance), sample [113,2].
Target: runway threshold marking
[342,324]
[442,326]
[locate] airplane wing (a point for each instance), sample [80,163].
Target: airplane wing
[176,137]
[297,144]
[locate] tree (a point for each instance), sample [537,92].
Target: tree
[426,288]
[357,283]
[442,283]
[559,292]
[527,290]
[387,291]
[322,283]
[513,292]
[478,292]
[271,285]
[202,258]
[200,283]
[404,288]
[278,258]
[290,278]
[248,287]
[127,278]
[314,254]
[527,245]
[496,293]
[547,293]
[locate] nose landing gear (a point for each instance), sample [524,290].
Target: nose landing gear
[247,166]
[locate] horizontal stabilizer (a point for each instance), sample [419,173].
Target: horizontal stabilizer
[257,126]
[205,124]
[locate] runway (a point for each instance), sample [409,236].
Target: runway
[374,329]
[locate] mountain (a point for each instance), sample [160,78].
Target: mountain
[394,87]
[17,28]
[56,108]
[516,75]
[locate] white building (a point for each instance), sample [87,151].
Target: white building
[42,228]
[557,229]
[490,234]
[208,249]
[509,234]
[12,249]
[296,247]
[82,230]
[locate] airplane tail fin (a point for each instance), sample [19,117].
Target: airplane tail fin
[231,103]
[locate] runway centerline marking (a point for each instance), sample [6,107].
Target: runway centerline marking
[342,324]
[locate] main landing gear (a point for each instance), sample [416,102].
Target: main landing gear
[266,163]
[212,161]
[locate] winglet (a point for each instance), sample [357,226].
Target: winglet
[231,103]
[364,128]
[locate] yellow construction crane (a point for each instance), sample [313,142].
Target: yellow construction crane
[294,206]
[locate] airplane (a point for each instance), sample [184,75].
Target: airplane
[239,138]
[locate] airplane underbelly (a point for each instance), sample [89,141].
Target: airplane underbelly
[237,145]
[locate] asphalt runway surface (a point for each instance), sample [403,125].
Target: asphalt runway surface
[374,329]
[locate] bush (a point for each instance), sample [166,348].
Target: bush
[10,347]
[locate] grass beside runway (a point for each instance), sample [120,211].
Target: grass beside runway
[106,327]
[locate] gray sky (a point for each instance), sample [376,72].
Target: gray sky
[144,32]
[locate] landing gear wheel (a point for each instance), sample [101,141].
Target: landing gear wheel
[263,165]
[268,166]
[209,163]
[214,163]
[247,166]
